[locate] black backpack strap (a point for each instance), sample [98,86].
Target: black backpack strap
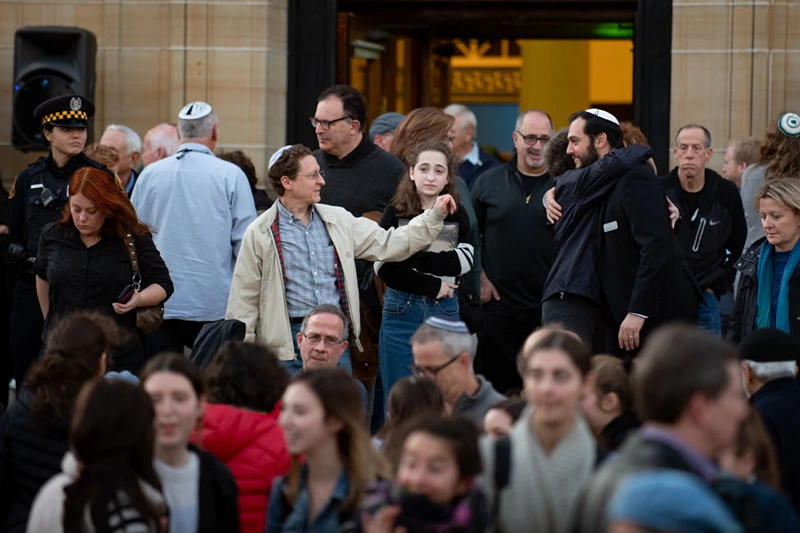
[502,473]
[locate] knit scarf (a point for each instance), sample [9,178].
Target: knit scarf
[764,297]
[544,490]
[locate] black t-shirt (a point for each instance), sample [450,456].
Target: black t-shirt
[529,183]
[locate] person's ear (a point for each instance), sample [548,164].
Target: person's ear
[344,345]
[287,183]
[742,166]
[709,154]
[610,402]
[215,132]
[299,334]
[600,140]
[47,134]
[103,364]
[355,127]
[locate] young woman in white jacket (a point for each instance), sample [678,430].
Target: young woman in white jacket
[108,483]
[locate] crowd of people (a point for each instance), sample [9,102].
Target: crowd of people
[564,341]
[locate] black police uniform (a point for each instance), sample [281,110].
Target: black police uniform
[37,198]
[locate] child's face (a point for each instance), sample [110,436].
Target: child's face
[430,174]
[428,466]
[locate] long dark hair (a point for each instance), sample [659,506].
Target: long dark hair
[75,346]
[112,438]
[406,200]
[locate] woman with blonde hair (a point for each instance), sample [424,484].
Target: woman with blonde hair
[767,294]
[323,423]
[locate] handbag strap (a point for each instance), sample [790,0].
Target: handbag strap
[136,277]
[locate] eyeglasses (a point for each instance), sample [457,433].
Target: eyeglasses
[531,140]
[313,176]
[330,342]
[430,371]
[325,125]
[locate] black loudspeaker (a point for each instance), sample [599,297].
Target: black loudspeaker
[49,61]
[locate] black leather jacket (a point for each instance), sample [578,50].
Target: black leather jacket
[745,307]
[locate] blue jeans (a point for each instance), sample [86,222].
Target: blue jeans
[403,314]
[296,365]
[708,314]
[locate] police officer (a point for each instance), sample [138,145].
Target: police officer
[37,198]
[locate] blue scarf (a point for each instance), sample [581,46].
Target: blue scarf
[764,299]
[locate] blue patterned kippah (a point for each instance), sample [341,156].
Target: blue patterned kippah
[456,326]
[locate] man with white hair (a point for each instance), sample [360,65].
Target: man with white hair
[129,145]
[769,365]
[159,142]
[443,351]
[473,160]
[199,207]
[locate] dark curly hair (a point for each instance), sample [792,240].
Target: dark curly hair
[75,346]
[556,157]
[288,164]
[246,375]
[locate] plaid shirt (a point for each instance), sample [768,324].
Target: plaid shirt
[312,272]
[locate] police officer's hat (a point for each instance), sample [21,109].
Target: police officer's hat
[71,110]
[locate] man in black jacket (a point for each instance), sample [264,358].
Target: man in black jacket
[713,228]
[517,249]
[644,280]
[688,390]
[769,365]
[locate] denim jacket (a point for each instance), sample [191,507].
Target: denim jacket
[283,518]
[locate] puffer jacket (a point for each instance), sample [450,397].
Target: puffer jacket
[253,448]
[29,457]
[745,307]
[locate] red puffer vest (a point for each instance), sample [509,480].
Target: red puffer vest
[253,448]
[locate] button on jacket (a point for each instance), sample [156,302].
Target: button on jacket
[82,277]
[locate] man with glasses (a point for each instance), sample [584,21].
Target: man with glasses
[322,341]
[517,248]
[359,176]
[301,254]
[443,351]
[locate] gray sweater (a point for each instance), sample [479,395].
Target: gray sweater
[474,406]
[753,178]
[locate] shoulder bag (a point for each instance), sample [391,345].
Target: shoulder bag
[148,319]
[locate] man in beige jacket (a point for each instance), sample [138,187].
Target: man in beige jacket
[300,254]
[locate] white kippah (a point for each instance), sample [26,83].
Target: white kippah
[603,114]
[277,155]
[194,110]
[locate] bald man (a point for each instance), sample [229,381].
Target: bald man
[160,142]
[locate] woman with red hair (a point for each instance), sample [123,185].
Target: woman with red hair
[84,262]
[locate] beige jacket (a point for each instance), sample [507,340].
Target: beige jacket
[258,295]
